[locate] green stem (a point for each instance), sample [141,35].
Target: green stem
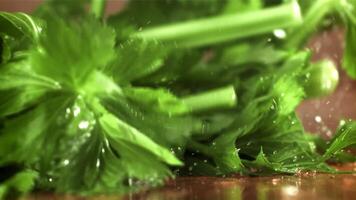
[219,98]
[98,7]
[312,19]
[218,29]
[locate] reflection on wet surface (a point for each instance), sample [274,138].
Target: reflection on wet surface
[302,186]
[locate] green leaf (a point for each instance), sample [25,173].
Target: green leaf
[163,128]
[20,87]
[26,138]
[262,164]
[344,137]
[136,59]
[69,52]
[227,157]
[19,24]
[142,164]
[20,75]
[68,9]
[118,130]
[22,183]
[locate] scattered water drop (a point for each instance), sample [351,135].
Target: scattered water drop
[66,162]
[129,181]
[280,33]
[76,111]
[318,119]
[83,125]
[295,158]
[272,107]
[97,163]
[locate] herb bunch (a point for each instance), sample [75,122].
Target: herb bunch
[94,105]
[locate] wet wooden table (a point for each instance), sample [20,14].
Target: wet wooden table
[301,186]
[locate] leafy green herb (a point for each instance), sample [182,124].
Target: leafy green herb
[344,137]
[92,106]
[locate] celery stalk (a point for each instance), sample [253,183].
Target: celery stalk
[312,19]
[213,99]
[223,28]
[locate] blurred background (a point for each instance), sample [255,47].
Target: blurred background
[321,116]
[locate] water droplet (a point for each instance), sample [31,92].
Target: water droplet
[76,111]
[129,181]
[83,125]
[295,158]
[272,107]
[280,33]
[318,119]
[66,162]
